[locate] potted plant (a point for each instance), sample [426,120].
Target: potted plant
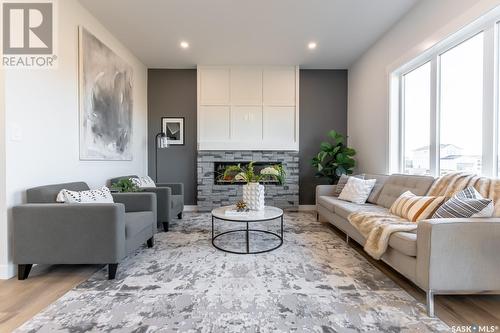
[253,191]
[334,158]
[125,185]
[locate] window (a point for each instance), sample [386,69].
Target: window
[461,107]
[417,103]
[444,105]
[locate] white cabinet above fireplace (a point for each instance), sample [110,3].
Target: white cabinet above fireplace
[248,108]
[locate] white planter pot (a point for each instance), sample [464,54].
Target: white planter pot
[253,196]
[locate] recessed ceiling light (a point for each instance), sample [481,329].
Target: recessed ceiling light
[311,45]
[184,44]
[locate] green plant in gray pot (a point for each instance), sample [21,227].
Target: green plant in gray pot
[125,185]
[334,158]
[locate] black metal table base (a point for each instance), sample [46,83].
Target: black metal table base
[247,235]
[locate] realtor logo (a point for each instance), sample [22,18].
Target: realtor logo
[28,34]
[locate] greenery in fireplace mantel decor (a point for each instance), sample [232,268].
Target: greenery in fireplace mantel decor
[247,174]
[334,158]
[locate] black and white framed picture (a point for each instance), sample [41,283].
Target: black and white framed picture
[173,127]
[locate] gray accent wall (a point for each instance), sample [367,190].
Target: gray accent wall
[323,107]
[172,93]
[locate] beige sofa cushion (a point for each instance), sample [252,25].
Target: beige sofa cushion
[328,202]
[404,242]
[344,208]
[397,184]
[377,188]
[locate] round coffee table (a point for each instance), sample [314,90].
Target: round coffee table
[268,214]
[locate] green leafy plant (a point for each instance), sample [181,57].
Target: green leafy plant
[125,185]
[247,173]
[334,158]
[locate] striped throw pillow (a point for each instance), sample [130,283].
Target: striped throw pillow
[416,208]
[465,204]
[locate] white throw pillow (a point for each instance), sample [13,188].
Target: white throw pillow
[357,190]
[143,182]
[102,195]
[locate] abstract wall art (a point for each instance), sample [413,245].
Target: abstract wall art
[106,101]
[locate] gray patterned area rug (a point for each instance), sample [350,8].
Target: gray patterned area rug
[313,283]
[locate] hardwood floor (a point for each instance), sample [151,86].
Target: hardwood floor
[453,310]
[21,300]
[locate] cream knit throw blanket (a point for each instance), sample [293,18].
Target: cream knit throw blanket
[377,228]
[455,182]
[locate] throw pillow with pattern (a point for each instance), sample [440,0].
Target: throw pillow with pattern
[416,208]
[357,190]
[102,195]
[143,182]
[465,204]
[343,181]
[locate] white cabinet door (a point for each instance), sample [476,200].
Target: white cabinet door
[246,86]
[214,86]
[246,123]
[214,123]
[279,124]
[279,86]
[248,108]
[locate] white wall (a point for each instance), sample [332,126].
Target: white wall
[43,104]
[3,187]
[368,102]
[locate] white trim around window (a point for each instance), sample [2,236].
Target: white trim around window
[488,24]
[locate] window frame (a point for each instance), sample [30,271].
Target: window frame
[402,114]
[489,24]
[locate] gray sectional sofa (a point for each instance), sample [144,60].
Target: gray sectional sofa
[444,256]
[46,232]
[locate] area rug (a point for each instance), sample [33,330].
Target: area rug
[313,283]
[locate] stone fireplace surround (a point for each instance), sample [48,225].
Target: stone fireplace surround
[210,195]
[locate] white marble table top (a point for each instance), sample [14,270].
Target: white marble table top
[269,213]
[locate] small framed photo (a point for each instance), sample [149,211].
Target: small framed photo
[173,127]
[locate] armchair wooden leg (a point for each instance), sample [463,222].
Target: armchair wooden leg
[112,271]
[23,271]
[179,216]
[151,242]
[165,226]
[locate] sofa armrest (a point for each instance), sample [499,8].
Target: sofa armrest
[68,233]
[177,188]
[324,190]
[163,198]
[136,201]
[458,254]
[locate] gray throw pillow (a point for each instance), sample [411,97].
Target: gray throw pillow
[342,181]
[465,204]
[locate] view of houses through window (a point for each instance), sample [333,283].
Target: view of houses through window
[442,131]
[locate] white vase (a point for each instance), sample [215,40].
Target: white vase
[253,196]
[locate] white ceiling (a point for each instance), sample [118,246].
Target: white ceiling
[270,32]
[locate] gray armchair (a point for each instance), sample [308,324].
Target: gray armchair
[46,232]
[169,197]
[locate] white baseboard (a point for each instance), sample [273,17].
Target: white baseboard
[307,208]
[7,271]
[190,208]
